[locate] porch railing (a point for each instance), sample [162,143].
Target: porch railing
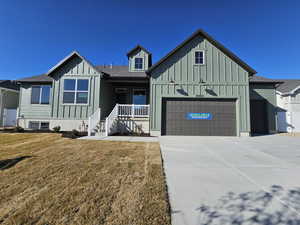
[111,122]
[122,110]
[133,110]
[94,119]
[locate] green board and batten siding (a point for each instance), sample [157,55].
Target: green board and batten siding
[138,54]
[80,69]
[75,67]
[32,111]
[267,93]
[223,77]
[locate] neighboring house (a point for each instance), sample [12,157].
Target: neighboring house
[199,88]
[288,102]
[9,101]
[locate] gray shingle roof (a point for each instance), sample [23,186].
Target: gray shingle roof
[9,84]
[43,78]
[260,79]
[120,72]
[288,85]
[113,72]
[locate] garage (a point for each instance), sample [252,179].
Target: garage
[259,117]
[199,117]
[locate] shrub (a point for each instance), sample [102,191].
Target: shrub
[19,129]
[75,132]
[56,129]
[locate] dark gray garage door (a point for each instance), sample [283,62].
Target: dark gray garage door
[203,117]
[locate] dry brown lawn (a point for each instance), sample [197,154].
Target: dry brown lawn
[46,179]
[295,134]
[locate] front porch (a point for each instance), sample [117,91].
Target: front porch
[124,108]
[123,119]
[123,92]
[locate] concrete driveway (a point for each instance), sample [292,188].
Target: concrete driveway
[231,180]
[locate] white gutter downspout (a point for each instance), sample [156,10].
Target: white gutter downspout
[291,113]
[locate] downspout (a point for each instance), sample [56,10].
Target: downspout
[291,113]
[19,105]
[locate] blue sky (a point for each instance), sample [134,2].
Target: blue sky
[35,35]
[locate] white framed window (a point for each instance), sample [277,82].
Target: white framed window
[38,125]
[76,91]
[199,57]
[40,94]
[138,63]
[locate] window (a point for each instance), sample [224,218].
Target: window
[34,125]
[38,125]
[76,91]
[199,57]
[139,97]
[138,63]
[44,126]
[40,94]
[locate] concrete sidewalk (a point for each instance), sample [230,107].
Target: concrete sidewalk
[122,138]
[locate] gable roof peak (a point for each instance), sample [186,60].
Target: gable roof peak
[138,46]
[214,42]
[74,52]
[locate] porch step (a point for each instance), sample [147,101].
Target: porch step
[100,128]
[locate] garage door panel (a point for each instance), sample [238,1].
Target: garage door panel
[222,122]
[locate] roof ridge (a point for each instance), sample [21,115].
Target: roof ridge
[214,42]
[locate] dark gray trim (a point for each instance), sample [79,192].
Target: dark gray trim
[74,53]
[138,47]
[9,84]
[214,42]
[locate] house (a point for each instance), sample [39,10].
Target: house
[9,101]
[199,88]
[288,101]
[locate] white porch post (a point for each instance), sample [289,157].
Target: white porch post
[106,126]
[89,127]
[132,111]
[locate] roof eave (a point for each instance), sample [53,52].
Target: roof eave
[216,43]
[138,47]
[9,89]
[68,57]
[33,81]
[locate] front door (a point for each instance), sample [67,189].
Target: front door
[122,95]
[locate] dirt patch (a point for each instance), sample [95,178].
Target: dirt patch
[64,181]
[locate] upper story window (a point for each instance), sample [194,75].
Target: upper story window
[40,94]
[76,91]
[199,58]
[138,63]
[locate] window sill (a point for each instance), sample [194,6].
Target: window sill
[40,104]
[73,104]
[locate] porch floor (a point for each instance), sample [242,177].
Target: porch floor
[122,138]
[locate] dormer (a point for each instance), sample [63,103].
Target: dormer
[139,59]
